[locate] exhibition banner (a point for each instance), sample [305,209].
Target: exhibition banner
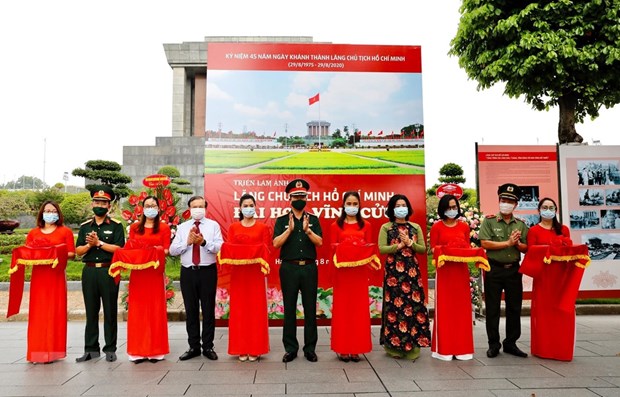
[342,117]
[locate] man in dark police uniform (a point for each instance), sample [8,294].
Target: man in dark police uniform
[504,238]
[97,240]
[297,234]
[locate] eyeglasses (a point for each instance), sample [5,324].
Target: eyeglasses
[548,208]
[50,212]
[151,206]
[454,207]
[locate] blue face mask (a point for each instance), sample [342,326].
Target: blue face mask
[547,214]
[151,212]
[248,212]
[50,217]
[401,212]
[351,211]
[451,213]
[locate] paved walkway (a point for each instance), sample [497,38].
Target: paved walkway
[595,371]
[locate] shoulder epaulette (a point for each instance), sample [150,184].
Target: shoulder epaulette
[86,221]
[115,220]
[489,216]
[519,219]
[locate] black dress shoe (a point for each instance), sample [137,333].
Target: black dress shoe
[344,357]
[191,353]
[515,351]
[110,356]
[139,360]
[355,358]
[87,356]
[492,352]
[155,360]
[289,356]
[311,356]
[210,354]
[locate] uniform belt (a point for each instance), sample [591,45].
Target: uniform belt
[301,262]
[504,265]
[97,264]
[200,267]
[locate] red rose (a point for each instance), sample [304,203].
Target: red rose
[395,340]
[405,287]
[416,296]
[408,346]
[169,294]
[400,266]
[407,252]
[388,297]
[402,326]
[398,302]
[390,259]
[423,341]
[414,331]
[412,272]
[421,317]
[391,317]
[408,311]
[392,281]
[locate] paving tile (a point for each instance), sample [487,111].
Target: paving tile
[33,390]
[465,384]
[606,392]
[586,366]
[136,390]
[205,377]
[472,393]
[301,376]
[579,392]
[236,389]
[327,388]
[510,371]
[556,383]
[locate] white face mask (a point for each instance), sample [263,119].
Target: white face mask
[401,212]
[451,213]
[197,213]
[506,208]
[351,211]
[248,212]
[151,212]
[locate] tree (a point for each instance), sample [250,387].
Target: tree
[553,53]
[337,134]
[76,208]
[105,173]
[12,205]
[38,198]
[177,184]
[24,182]
[451,173]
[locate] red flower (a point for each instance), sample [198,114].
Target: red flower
[137,210]
[169,294]
[412,272]
[402,326]
[133,199]
[400,266]
[408,346]
[171,211]
[416,296]
[175,221]
[163,205]
[405,287]
[408,311]
[126,215]
[390,259]
[407,252]
[168,195]
[423,341]
[414,331]
[421,317]
[388,297]
[395,340]
[391,317]
[143,196]
[391,282]
[186,214]
[398,302]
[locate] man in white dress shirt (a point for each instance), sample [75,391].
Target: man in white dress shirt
[198,241]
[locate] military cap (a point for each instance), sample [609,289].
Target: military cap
[509,191]
[103,193]
[297,187]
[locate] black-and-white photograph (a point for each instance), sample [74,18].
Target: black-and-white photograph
[602,246]
[529,197]
[584,220]
[530,219]
[598,172]
[610,219]
[612,197]
[591,197]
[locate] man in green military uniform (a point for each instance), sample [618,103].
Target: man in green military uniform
[504,238]
[297,234]
[97,240]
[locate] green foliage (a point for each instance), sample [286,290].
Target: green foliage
[38,198]
[76,208]
[451,173]
[170,171]
[336,143]
[10,241]
[13,204]
[105,173]
[553,53]
[24,182]
[176,182]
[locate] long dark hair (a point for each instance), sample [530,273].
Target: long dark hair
[343,214]
[557,226]
[41,222]
[392,204]
[140,228]
[246,196]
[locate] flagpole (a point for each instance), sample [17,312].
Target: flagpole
[319,124]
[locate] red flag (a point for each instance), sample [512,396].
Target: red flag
[370,133]
[313,99]
[380,133]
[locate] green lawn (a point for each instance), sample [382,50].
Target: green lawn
[218,161]
[411,157]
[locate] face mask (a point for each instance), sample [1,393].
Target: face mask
[299,204]
[100,211]
[451,213]
[50,217]
[547,214]
[351,211]
[197,213]
[401,212]
[248,212]
[506,208]
[151,212]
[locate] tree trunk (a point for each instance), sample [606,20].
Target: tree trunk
[566,127]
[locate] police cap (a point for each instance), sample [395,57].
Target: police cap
[297,187]
[509,191]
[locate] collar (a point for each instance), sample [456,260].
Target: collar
[106,220]
[500,218]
